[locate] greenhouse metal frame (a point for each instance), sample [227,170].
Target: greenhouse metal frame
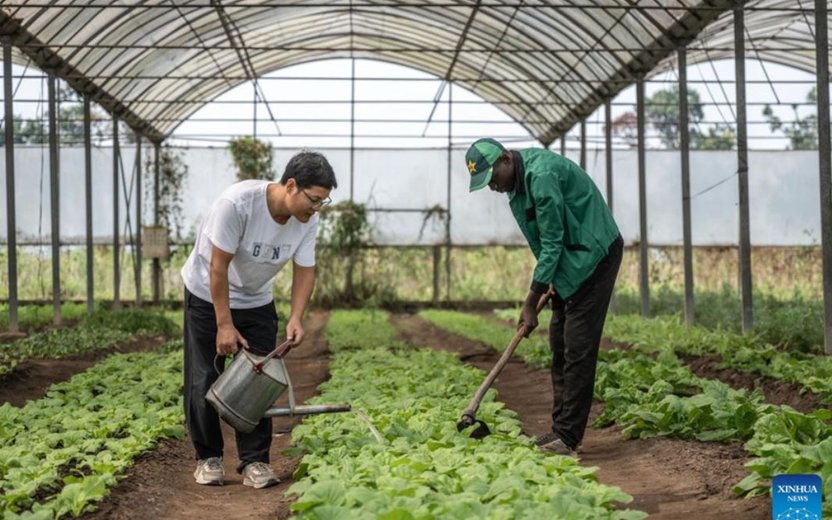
[547,65]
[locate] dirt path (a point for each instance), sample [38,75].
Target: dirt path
[161,486]
[669,478]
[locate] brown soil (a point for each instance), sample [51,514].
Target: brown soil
[775,391]
[161,485]
[668,478]
[30,379]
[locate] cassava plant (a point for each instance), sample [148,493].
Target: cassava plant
[252,158]
[172,173]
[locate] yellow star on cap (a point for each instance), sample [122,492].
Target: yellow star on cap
[472,166]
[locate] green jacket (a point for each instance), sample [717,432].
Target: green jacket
[563,217]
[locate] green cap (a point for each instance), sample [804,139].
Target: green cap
[479,159]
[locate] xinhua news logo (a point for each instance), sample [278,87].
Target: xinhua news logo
[796,497]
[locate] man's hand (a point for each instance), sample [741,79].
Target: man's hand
[228,337]
[528,314]
[294,331]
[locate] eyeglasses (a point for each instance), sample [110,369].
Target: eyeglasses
[317,203]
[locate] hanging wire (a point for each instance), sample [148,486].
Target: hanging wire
[20,79]
[714,185]
[675,73]
[809,26]
[447,78]
[127,192]
[497,45]
[762,64]
[205,47]
[722,89]
[245,59]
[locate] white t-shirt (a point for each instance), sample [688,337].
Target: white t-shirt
[240,223]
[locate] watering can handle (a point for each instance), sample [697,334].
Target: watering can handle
[216,368]
[279,351]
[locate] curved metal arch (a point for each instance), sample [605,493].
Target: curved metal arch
[148,53]
[208,13]
[415,62]
[211,91]
[720,34]
[215,26]
[556,127]
[541,68]
[411,36]
[570,68]
[73,16]
[179,34]
[119,55]
[598,69]
[182,117]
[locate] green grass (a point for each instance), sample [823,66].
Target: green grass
[794,323]
[477,273]
[33,317]
[135,321]
[99,331]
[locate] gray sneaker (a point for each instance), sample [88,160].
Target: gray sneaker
[554,444]
[209,472]
[259,475]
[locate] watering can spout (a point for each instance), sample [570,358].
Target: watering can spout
[307,410]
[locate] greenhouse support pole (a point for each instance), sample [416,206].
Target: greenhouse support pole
[157,266]
[437,260]
[608,151]
[684,149]
[352,132]
[11,222]
[644,283]
[116,244]
[825,163]
[563,145]
[608,163]
[88,204]
[448,202]
[55,197]
[742,170]
[137,237]
[254,109]
[583,145]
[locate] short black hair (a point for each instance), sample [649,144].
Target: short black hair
[310,169]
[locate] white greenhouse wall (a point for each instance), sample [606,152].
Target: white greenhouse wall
[783,193]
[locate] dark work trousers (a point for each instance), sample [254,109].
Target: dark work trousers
[259,327]
[574,336]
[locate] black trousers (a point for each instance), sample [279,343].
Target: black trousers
[259,327]
[575,336]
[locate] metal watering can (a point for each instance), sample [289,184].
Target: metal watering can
[246,390]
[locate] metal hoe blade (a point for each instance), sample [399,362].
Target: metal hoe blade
[481,431]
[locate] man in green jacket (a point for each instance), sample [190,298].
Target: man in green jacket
[578,249]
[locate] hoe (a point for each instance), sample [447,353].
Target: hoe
[469,416]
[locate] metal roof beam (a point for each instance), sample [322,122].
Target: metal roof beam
[679,34]
[46,59]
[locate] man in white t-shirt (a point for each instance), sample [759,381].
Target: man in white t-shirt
[253,229]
